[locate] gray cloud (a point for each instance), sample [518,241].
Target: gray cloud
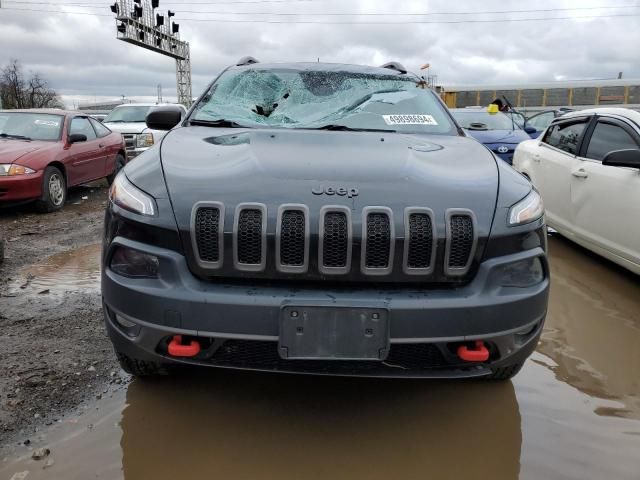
[81,57]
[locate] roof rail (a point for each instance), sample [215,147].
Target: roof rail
[398,67]
[246,61]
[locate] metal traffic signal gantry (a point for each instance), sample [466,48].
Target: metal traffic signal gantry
[138,23]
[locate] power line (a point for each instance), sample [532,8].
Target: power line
[330,22]
[413,14]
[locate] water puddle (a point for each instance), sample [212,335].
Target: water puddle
[72,270]
[572,413]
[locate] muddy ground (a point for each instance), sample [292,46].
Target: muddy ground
[53,351]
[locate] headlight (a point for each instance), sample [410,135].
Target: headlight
[525,273]
[144,140]
[11,169]
[527,210]
[124,194]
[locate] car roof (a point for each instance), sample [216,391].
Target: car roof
[325,67]
[54,111]
[143,104]
[620,112]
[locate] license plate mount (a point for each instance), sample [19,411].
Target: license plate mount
[333,333]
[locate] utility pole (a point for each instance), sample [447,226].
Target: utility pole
[159,93]
[138,23]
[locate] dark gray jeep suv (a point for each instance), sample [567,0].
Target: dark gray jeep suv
[326,219]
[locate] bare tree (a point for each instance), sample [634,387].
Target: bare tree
[18,92]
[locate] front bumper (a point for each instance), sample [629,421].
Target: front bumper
[246,319]
[21,187]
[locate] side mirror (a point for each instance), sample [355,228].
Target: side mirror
[77,137]
[530,130]
[164,118]
[622,158]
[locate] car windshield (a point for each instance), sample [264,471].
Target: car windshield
[483,120]
[129,114]
[30,126]
[288,98]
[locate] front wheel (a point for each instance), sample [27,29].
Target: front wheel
[54,191]
[118,166]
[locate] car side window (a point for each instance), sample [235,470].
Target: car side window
[607,138]
[565,136]
[82,126]
[100,129]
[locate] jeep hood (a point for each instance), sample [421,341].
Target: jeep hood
[281,166]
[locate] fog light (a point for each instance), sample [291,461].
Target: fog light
[524,273]
[133,263]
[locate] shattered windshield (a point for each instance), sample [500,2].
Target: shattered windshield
[288,98]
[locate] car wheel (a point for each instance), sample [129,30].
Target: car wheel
[505,373]
[119,165]
[140,368]
[54,191]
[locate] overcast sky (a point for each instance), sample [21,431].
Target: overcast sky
[82,59]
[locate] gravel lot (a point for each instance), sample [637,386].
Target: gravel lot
[53,351]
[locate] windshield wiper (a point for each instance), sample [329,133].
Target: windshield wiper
[222,123]
[119,121]
[344,128]
[18,137]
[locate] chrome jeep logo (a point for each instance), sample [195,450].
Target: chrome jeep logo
[335,190]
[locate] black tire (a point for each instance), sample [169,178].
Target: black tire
[118,166]
[54,191]
[140,368]
[505,373]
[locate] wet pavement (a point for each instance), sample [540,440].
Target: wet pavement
[572,413]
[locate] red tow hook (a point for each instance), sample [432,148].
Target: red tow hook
[177,349]
[478,354]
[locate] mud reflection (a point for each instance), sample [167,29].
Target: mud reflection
[234,425]
[593,327]
[72,270]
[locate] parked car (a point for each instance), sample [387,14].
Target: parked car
[499,132]
[540,121]
[129,120]
[327,219]
[586,169]
[43,152]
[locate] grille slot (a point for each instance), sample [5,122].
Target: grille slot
[377,241]
[420,244]
[292,239]
[461,241]
[250,237]
[335,240]
[207,226]
[207,222]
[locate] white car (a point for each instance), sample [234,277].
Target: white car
[586,166]
[129,120]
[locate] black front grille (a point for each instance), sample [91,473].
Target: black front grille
[207,233]
[292,238]
[250,237]
[264,355]
[461,232]
[378,240]
[336,240]
[420,241]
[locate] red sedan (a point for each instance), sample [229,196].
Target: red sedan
[43,152]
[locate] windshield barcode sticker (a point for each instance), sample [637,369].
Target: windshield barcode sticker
[409,120]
